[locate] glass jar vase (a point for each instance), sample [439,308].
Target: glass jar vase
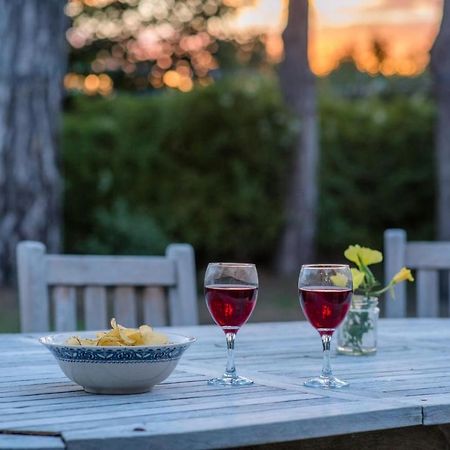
[358,333]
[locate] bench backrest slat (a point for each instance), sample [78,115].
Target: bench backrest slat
[427,259]
[55,280]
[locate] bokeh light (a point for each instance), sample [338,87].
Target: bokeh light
[143,40]
[91,84]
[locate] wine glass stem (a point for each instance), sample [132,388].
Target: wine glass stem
[326,367]
[230,371]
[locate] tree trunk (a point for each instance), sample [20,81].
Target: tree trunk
[298,86]
[440,68]
[32,65]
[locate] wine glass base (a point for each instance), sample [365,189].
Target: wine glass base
[229,381]
[326,383]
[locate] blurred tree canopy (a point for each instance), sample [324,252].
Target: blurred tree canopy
[152,43]
[125,157]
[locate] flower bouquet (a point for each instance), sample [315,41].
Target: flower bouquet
[358,333]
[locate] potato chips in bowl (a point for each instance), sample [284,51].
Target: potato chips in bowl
[118,361]
[120,336]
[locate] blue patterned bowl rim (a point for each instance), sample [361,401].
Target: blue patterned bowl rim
[58,340]
[115,354]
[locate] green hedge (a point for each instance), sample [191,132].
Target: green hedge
[209,167]
[377,170]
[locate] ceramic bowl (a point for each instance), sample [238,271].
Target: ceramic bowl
[116,370]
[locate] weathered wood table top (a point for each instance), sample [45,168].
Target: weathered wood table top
[407,383]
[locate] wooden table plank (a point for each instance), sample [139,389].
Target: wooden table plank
[250,429]
[26,442]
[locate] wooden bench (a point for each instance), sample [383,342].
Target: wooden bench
[59,280]
[427,259]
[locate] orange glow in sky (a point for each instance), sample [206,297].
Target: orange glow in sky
[406,28]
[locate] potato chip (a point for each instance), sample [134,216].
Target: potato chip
[146,333]
[135,336]
[119,332]
[107,341]
[73,341]
[87,341]
[121,336]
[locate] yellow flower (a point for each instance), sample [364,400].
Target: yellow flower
[403,275]
[364,255]
[339,280]
[358,278]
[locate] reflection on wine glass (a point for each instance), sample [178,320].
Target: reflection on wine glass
[325,292]
[231,290]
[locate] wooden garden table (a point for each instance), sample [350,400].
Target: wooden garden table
[407,384]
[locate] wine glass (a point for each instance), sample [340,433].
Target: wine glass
[325,292]
[231,290]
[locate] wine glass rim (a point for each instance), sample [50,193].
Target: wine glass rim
[325,266]
[231,264]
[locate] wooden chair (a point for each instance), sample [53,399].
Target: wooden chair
[427,258]
[57,280]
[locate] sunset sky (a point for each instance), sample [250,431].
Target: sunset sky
[407,28]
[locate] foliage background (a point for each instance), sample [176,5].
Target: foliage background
[206,167]
[209,167]
[376,170]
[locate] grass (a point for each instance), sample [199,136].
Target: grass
[9,310]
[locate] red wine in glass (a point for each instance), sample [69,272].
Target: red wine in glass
[231,290]
[325,292]
[324,306]
[230,305]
